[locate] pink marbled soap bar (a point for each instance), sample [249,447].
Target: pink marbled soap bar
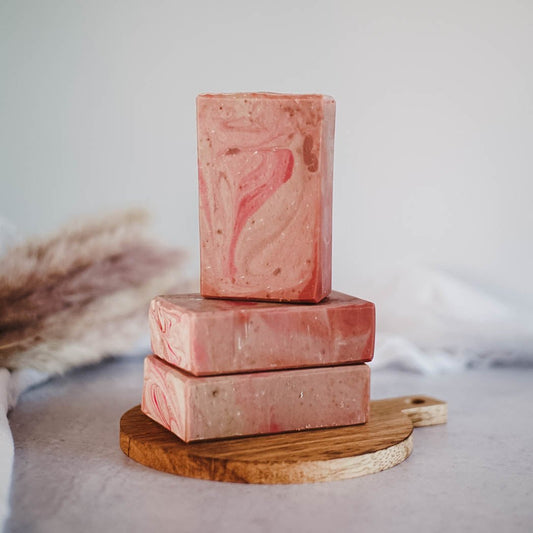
[209,336]
[265,169]
[197,408]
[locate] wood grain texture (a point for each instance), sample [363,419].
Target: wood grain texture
[299,457]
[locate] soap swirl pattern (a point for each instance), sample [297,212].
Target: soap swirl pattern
[260,197]
[169,337]
[160,399]
[274,169]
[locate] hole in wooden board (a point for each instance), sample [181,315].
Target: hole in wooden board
[417,401]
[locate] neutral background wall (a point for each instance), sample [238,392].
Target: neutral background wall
[434,145]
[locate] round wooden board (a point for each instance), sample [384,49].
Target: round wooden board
[299,457]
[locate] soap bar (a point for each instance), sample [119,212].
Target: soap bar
[197,408]
[209,336]
[265,170]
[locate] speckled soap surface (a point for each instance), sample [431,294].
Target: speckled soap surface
[213,336]
[265,169]
[197,408]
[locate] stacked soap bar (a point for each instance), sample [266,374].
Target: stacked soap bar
[209,378]
[206,336]
[265,168]
[196,408]
[266,347]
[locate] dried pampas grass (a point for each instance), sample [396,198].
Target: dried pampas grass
[81,294]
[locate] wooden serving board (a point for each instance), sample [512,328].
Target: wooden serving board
[298,457]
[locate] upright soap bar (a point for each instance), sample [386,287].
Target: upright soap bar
[265,169]
[197,408]
[208,336]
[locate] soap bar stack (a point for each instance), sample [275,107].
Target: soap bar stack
[266,347]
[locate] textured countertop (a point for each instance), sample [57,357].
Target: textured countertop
[473,474]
